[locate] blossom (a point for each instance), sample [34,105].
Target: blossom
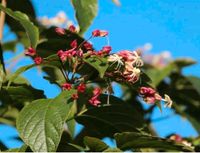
[30,52]
[149,95]
[74,44]
[60,31]
[99,33]
[94,100]
[107,49]
[81,87]
[87,45]
[62,55]
[79,53]
[75,96]
[66,86]
[131,74]
[115,58]
[72,28]
[38,60]
[126,55]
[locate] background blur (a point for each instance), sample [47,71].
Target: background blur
[168,25]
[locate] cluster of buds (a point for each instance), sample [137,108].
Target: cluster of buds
[61,31]
[68,54]
[32,53]
[131,63]
[81,89]
[150,96]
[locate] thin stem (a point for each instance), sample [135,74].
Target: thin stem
[84,42]
[62,69]
[2,20]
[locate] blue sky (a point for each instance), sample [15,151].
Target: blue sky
[169,25]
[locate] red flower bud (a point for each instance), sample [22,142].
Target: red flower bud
[30,52]
[38,60]
[107,49]
[72,28]
[87,45]
[60,31]
[66,86]
[81,88]
[74,44]
[99,33]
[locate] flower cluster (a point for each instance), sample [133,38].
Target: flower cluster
[131,63]
[150,96]
[32,52]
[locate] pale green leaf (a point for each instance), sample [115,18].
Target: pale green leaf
[86,11]
[31,30]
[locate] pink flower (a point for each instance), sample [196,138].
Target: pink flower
[79,53]
[97,91]
[99,33]
[126,55]
[74,96]
[87,45]
[38,60]
[60,31]
[149,95]
[107,49]
[66,86]
[62,55]
[94,100]
[81,88]
[30,52]
[72,28]
[74,44]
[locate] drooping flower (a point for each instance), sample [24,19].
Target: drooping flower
[60,31]
[66,86]
[81,88]
[115,58]
[149,95]
[99,33]
[38,60]
[30,52]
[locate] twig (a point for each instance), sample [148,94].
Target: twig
[2,20]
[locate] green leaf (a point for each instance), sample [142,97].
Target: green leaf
[195,81]
[40,124]
[183,62]
[109,119]
[86,11]
[129,140]
[157,75]
[10,46]
[13,76]
[95,144]
[31,30]
[99,63]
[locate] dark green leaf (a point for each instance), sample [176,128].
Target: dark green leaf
[129,140]
[40,124]
[195,81]
[95,144]
[86,11]
[10,46]
[31,30]
[1,75]
[99,63]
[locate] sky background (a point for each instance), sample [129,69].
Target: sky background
[171,25]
